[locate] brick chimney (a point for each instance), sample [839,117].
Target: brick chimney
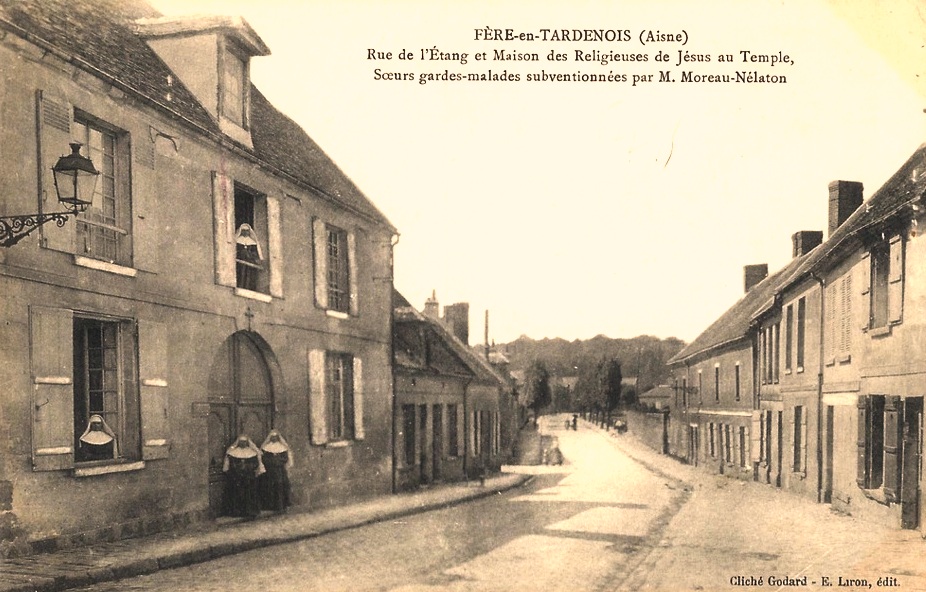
[432,306]
[845,198]
[753,274]
[456,318]
[804,241]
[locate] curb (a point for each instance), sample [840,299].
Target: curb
[56,578]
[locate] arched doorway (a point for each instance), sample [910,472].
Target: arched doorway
[241,401]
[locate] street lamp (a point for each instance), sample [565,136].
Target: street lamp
[75,183]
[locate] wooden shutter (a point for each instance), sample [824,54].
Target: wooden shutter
[52,343]
[275,246]
[895,281]
[755,432]
[55,116]
[892,447]
[359,433]
[352,268]
[154,391]
[862,442]
[145,191]
[864,267]
[223,202]
[318,423]
[320,240]
[461,430]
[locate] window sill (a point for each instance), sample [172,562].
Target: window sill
[99,265]
[252,295]
[336,314]
[876,495]
[799,475]
[880,331]
[338,444]
[844,359]
[107,469]
[787,371]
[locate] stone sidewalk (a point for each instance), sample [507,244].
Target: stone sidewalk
[84,566]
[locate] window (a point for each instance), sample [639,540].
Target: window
[710,440]
[717,383]
[685,392]
[789,330]
[700,387]
[776,352]
[235,86]
[736,378]
[104,354]
[453,448]
[727,444]
[801,322]
[477,433]
[104,229]
[882,283]
[250,233]
[408,434]
[871,441]
[338,270]
[742,447]
[340,391]
[798,464]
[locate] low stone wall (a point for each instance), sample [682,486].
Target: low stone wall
[649,428]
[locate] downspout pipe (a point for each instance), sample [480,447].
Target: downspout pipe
[822,283]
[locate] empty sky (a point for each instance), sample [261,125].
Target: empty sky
[573,209]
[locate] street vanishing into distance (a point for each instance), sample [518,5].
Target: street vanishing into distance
[614,516]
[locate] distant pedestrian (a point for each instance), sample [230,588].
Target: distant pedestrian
[274,483]
[242,466]
[575,422]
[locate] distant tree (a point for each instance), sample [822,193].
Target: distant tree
[536,393]
[610,375]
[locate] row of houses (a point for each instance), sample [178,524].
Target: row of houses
[228,279]
[813,382]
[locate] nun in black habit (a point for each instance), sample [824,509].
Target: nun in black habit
[274,483]
[243,465]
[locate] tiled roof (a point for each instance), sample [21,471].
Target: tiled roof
[906,186]
[98,35]
[734,323]
[661,392]
[408,350]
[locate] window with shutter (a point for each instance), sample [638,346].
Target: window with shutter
[895,280]
[336,273]
[801,330]
[104,230]
[105,387]
[880,274]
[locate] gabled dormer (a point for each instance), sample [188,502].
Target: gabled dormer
[210,55]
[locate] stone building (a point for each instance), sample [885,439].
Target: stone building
[836,343]
[228,278]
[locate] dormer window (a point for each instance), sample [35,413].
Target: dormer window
[234,88]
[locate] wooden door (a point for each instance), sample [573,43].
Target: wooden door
[240,402]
